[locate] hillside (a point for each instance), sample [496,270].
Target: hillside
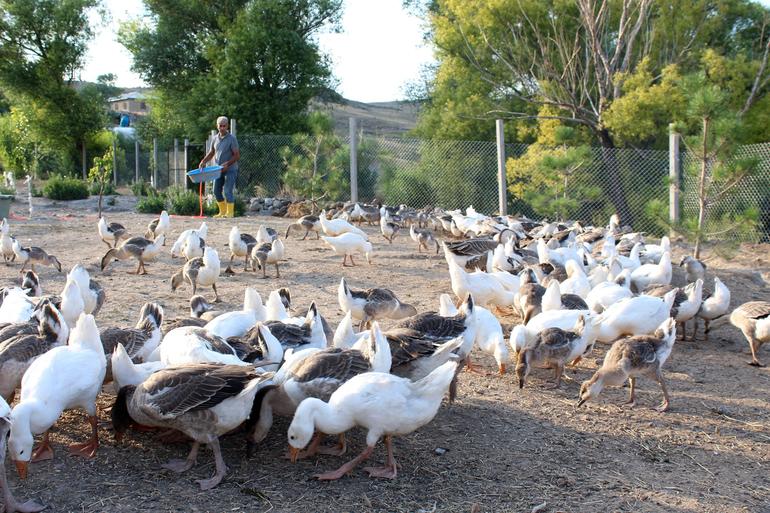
[381,118]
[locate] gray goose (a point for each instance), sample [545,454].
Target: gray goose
[753,319]
[630,358]
[34,255]
[464,250]
[203,401]
[316,375]
[139,248]
[530,295]
[200,314]
[139,341]
[423,238]
[308,223]
[291,336]
[17,353]
[372,304]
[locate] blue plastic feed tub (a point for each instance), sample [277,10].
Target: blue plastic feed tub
[206,174]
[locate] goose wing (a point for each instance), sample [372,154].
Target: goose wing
[471,247]
[434,326]
[557,341]
[289,335]
[132,339]
[407,345]
[756,309]
[175,391]
[573,302]
[333,364]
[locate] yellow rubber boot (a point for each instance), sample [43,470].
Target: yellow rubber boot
[230,210]
[222,209]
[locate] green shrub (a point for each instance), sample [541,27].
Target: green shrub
[240,206]
[151,204]
[182,202]
[109,189]
[65,188]
[7,190]
[141,188]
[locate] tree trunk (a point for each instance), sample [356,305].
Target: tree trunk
[612,183]
[702,190]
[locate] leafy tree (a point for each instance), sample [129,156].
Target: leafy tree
[42,45]
[256,61]
[312,163]
[101,174]
[718,168]
[575,58]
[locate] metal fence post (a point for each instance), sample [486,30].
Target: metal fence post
[155,162]
[176,161]
[85,166]
[136,160]
[502,187]
[353,161]
[233,127]
[674,174]
[186,163]
[115,161]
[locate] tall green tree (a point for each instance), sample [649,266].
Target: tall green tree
[571,59]
[42,46]
[257,61]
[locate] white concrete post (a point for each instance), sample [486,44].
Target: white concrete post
[136,160]
[85,165]
[353,161]
[115,162]
[674,174]
[502,186]
[176,161]
[184,167]
[233,127]
[155,162]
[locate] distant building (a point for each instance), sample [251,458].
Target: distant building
[132,103]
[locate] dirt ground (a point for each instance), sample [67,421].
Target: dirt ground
[496,449]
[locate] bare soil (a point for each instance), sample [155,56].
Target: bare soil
[502,449]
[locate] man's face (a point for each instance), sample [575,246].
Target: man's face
[222,128]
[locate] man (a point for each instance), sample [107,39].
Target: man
[226,154]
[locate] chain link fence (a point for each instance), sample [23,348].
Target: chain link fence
[457,174]
[743,213]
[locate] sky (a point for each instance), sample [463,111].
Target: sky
[377,53]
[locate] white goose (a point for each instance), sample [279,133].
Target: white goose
[268,253]
[335,227]
[240,245]
[202,232]
[65,377]
[235,324]
[16,306]
[159,226]
[714,306]
[348,244]
[90,290]
[383,404]
[188,345]
[639,315]
[486,290]
[125,372]
[577,281]
[6,242]
[652,274]
[200,271]
[72,304]
[607,293]
[654,252]
[111,233]
[489,334]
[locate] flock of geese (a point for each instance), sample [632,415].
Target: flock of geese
[215,372]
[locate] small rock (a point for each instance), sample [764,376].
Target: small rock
[440,451]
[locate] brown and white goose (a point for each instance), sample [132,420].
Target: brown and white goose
[317,375]
[373,304]
[630,358]
[201,312]
[143,250]
[240,245]
[423,238]
[753,319]
[34,255]
[309,223]
[111,233]
[17,353]
[203,401]
[202,271]
[139,341]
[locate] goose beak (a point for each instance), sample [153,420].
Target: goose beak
[502,368]
[21,468]
[294,453]
[580,402]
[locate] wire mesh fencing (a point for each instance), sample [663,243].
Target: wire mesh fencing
[738,213]
[633,183]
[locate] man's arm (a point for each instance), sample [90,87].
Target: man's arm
[236,158]
[206,158]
